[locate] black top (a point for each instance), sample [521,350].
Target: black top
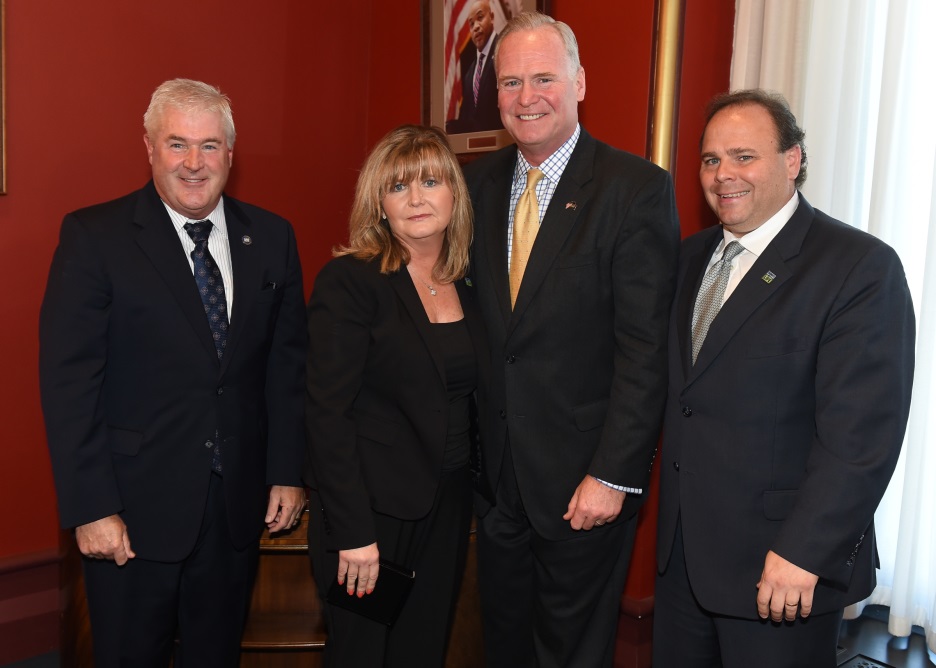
[461,378]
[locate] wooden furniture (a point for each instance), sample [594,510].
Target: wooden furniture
[285,627]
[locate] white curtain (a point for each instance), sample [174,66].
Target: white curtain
[860,76]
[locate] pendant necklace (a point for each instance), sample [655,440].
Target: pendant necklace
[432,290]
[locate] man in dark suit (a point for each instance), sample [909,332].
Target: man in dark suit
[174,402]
[577,330]
[786,410]
[478,111]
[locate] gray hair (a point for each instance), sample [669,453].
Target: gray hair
[536,20]
[189,96]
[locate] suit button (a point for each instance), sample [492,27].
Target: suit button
[686,411]
[209,444]
[511,359]
[220,391]
[676,465]
[503,414]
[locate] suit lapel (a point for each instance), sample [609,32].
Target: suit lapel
[158,240]
[557,223]
[246,270]
[760,283]
[492,215]
[473,319]
[403,285]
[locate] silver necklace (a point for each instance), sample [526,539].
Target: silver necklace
[432,290]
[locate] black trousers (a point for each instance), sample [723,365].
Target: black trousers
[434,547]
[137,610]
[685,635]
[548,604]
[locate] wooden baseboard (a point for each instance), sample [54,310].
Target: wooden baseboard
[29,605]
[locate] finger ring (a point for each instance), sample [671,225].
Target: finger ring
[599,524]
[791,605]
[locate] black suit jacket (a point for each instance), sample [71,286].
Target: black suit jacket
[132,389]
[579,366]
[377,401]
[784,434]
[483,115]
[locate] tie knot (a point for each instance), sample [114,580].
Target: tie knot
[199,230]
[534,176]
[732,250]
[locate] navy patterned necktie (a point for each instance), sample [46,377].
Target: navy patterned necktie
[211,288]
[210,284]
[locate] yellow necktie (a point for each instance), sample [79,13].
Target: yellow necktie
[525,227]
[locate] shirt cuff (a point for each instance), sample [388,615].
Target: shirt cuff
[620,488]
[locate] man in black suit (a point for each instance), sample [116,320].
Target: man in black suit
[174,402]
[478,111]
[577,334]
[786,410]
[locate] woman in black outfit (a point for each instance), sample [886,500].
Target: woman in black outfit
[397,346]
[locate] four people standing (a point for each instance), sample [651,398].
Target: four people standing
[173,343]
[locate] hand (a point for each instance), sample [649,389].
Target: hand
[784,587]
[361,566]
[106,538]
[285,507]
[593,504]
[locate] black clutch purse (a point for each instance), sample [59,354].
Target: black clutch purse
[382,605]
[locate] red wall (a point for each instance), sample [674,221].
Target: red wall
[314,85]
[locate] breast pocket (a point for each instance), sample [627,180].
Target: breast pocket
[787,346]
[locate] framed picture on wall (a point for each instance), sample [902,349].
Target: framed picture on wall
[459,86]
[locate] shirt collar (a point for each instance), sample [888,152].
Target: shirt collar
[757,240]
[553,166]
[216,217]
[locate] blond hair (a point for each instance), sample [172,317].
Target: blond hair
[411,152]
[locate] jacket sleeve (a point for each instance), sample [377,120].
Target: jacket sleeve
[73,326]
[341,313]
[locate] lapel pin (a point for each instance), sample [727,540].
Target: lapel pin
[246,240]
[768,277]
[468,281]
[571,205]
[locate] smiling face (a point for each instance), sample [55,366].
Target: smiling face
[537,94]
[419,211]
[480,23]
[745,177]
[191,160]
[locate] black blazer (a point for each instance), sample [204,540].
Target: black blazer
[579,366]
[784,434]
[132,389]
[377,402]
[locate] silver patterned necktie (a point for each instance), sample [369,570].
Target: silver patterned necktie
[711,294]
